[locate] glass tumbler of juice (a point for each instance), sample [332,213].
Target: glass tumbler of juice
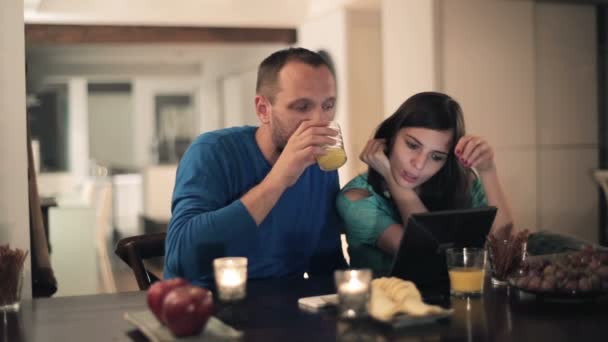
[335,154]
[466,268]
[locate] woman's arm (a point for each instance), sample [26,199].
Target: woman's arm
[388,241]
[475,152]
[406,200]
[497,198]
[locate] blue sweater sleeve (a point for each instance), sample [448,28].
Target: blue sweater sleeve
[206,222]
[328,256]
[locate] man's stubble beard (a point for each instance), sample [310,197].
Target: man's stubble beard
[279,135]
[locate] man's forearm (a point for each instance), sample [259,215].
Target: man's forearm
[195,238]
[260,199]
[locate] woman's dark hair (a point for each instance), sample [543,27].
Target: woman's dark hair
[449,187]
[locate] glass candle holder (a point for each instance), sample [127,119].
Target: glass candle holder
[230,278]
[353,287]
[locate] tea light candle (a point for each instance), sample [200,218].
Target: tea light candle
[353,292]
[353,286]
[230,278]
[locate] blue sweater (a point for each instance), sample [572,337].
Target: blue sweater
[300,234]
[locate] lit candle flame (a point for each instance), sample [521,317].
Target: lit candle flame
[354,285]
[231,278]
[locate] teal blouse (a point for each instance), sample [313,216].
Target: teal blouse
[366,219]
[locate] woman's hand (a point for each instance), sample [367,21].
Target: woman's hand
[406,199]
[474,151]
[373,155]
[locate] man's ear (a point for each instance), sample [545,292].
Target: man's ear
[262,108]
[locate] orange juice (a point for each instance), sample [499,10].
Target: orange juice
[466,279]
[333,159]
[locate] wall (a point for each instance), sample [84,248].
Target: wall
[488,65]
[14,215]
[211,105]
[110,128]
[410,49]
[530,88]
[144,90]
[158,183]
[238,92]
[231,100]
[365,83]
[567,114]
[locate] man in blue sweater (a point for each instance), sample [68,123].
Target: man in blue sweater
[257,191]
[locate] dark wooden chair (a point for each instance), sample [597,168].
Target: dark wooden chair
[135,249]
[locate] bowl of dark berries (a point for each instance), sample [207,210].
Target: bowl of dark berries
[578,274]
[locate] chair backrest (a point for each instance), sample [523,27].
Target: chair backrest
[103,222]
[601,177]
[134,250]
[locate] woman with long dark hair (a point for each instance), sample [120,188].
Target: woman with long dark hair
[420,159]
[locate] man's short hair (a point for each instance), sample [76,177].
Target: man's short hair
[268,71]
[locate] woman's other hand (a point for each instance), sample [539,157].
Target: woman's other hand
[473,151]
[476,152]
[373,155]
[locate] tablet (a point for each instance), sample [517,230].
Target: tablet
[421,254]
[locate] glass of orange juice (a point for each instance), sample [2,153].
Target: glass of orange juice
[335,154]
[466,267]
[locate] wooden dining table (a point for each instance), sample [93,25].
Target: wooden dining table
[271,313]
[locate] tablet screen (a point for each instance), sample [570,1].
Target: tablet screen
[457,228]
[421,256]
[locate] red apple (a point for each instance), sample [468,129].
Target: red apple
[157,293]
[187,309]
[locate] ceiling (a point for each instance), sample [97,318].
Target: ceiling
[186,57]
[233,13]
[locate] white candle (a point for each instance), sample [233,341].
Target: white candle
[231,278]
[353,286]
[353,292]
